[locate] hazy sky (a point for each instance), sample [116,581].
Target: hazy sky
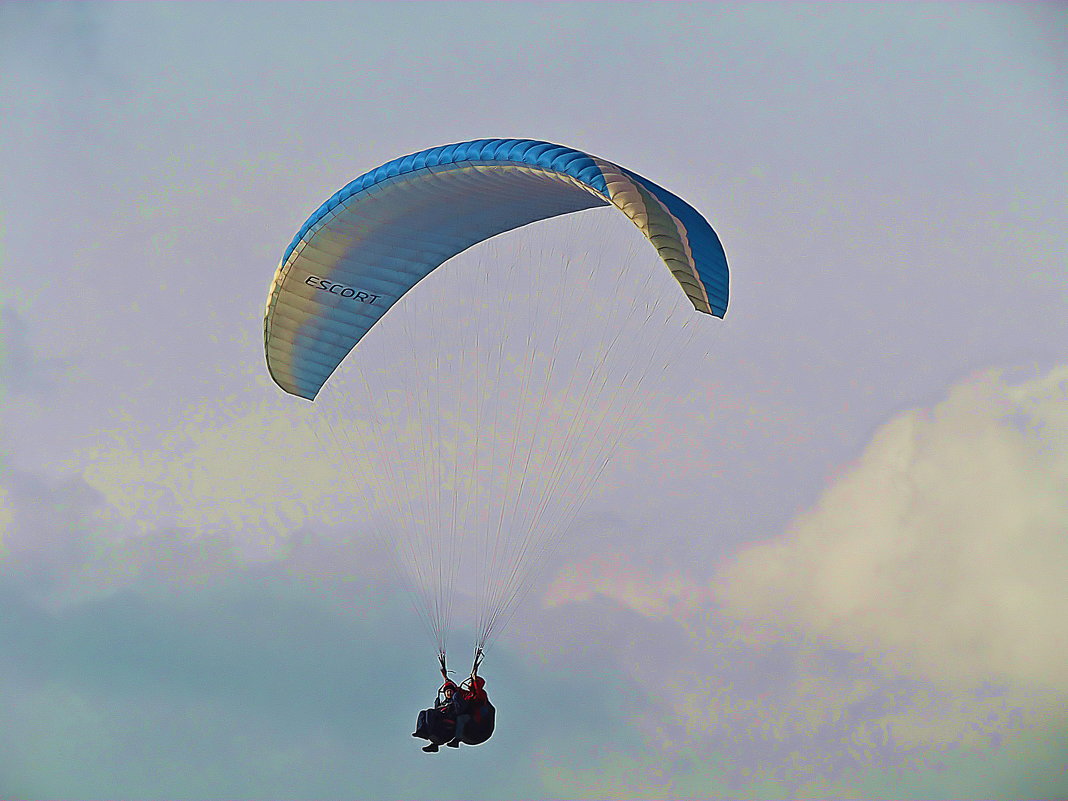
[831,562]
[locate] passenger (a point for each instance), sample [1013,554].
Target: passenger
[467,706]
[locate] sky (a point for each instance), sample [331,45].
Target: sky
[827,561]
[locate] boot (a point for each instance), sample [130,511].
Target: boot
[431,749]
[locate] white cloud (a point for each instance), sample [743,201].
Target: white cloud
[942,551]
[257,474]
[615,576]
[23,371]
[915,614]
[7,515]
[861,638]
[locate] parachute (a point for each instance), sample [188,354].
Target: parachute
[367,247]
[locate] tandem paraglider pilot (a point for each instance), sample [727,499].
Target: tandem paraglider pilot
[460,714]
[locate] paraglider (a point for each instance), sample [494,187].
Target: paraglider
[462,713]
[363,251]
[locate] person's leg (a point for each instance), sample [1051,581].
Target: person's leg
[461,722]
[421,727]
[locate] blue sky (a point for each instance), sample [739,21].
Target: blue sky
[830,562]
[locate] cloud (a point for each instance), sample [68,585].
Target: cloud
[176,629]
[7,514]
[22,372]
[941,552]
[767,680]
[910,621]
[60,37]
[257,474]
[49,528]
[614,576]
[294,678]
[166,663]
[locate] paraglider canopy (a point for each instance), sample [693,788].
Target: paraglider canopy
[373,240]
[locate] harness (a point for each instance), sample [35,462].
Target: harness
[467,685]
